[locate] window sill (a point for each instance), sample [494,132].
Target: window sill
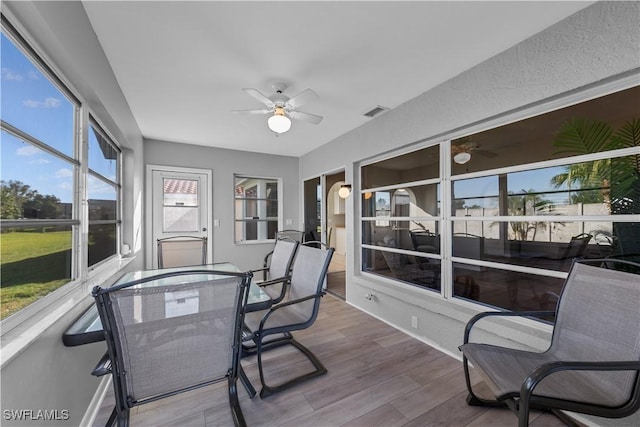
[24,327]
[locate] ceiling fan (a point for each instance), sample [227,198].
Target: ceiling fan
[462,151]
[282,107]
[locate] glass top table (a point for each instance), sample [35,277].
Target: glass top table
[88,328]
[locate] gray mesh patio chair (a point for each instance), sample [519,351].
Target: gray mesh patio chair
[296,235]
[273,327]
[182,251]
[593,362]
[171,333]
[277,269]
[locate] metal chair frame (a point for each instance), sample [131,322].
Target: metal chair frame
[113,361]
[284,332]
[521,402]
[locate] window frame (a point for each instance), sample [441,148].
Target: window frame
[446,179]
[33,318]
[266,219]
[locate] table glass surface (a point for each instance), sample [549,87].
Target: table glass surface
[88,327]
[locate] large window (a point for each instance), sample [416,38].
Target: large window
[522,201]
[401,218]
[257,210]
[46,175]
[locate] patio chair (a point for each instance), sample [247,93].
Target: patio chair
[592,365]
[277,269]
[182,251]
[272,328]
[422,272]
[296,235]
[172,333]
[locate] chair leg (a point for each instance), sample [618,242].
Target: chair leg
[268,390]
[122,417]
[112,418]
[472,398]
[236,410]
[246,383]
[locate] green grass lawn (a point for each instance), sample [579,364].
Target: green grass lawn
[32,265]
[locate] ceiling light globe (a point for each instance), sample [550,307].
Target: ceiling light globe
[462,158]
[279,123]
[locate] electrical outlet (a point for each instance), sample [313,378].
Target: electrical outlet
[414,322]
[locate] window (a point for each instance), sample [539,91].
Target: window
[516,216]
[103,189]
[257,210]
[517,230]
[42,168]
[401,218]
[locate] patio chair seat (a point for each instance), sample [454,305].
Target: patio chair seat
[508,368]
[592,365]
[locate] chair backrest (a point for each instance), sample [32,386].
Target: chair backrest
[296,235]
[172,332]
[282,258]
[182,251]
[396,261]
[597,319]
[577,246]
[309,272]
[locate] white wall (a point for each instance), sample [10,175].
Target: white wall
[594,46]
[224,164]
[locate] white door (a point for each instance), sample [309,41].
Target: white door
[180,206]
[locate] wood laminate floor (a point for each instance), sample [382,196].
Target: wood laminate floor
[378,376]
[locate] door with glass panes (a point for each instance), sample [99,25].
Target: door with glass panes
[180,206]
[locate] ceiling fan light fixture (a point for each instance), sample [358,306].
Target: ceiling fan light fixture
[462,158]
[279,123]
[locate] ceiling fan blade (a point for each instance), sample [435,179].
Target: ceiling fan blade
[305,117]
[302,98]
[263,111]
[259,96]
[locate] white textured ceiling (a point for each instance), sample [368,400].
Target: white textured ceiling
[182,65]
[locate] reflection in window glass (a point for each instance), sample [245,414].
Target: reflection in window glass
[33,104]
[601,187]
[103,156]
[416,166]
[414,270]
[256,208]
[102,200]
[550,245]
[507,289]
[102,242]
[558,134]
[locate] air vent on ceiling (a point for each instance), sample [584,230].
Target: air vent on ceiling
[379,109]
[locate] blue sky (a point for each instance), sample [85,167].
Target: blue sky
[31,103]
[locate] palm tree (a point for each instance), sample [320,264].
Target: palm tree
[618,178]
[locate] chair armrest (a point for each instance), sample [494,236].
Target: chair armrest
[283,279]
[479,316]
[288,303]
[103,367]
[544,370]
